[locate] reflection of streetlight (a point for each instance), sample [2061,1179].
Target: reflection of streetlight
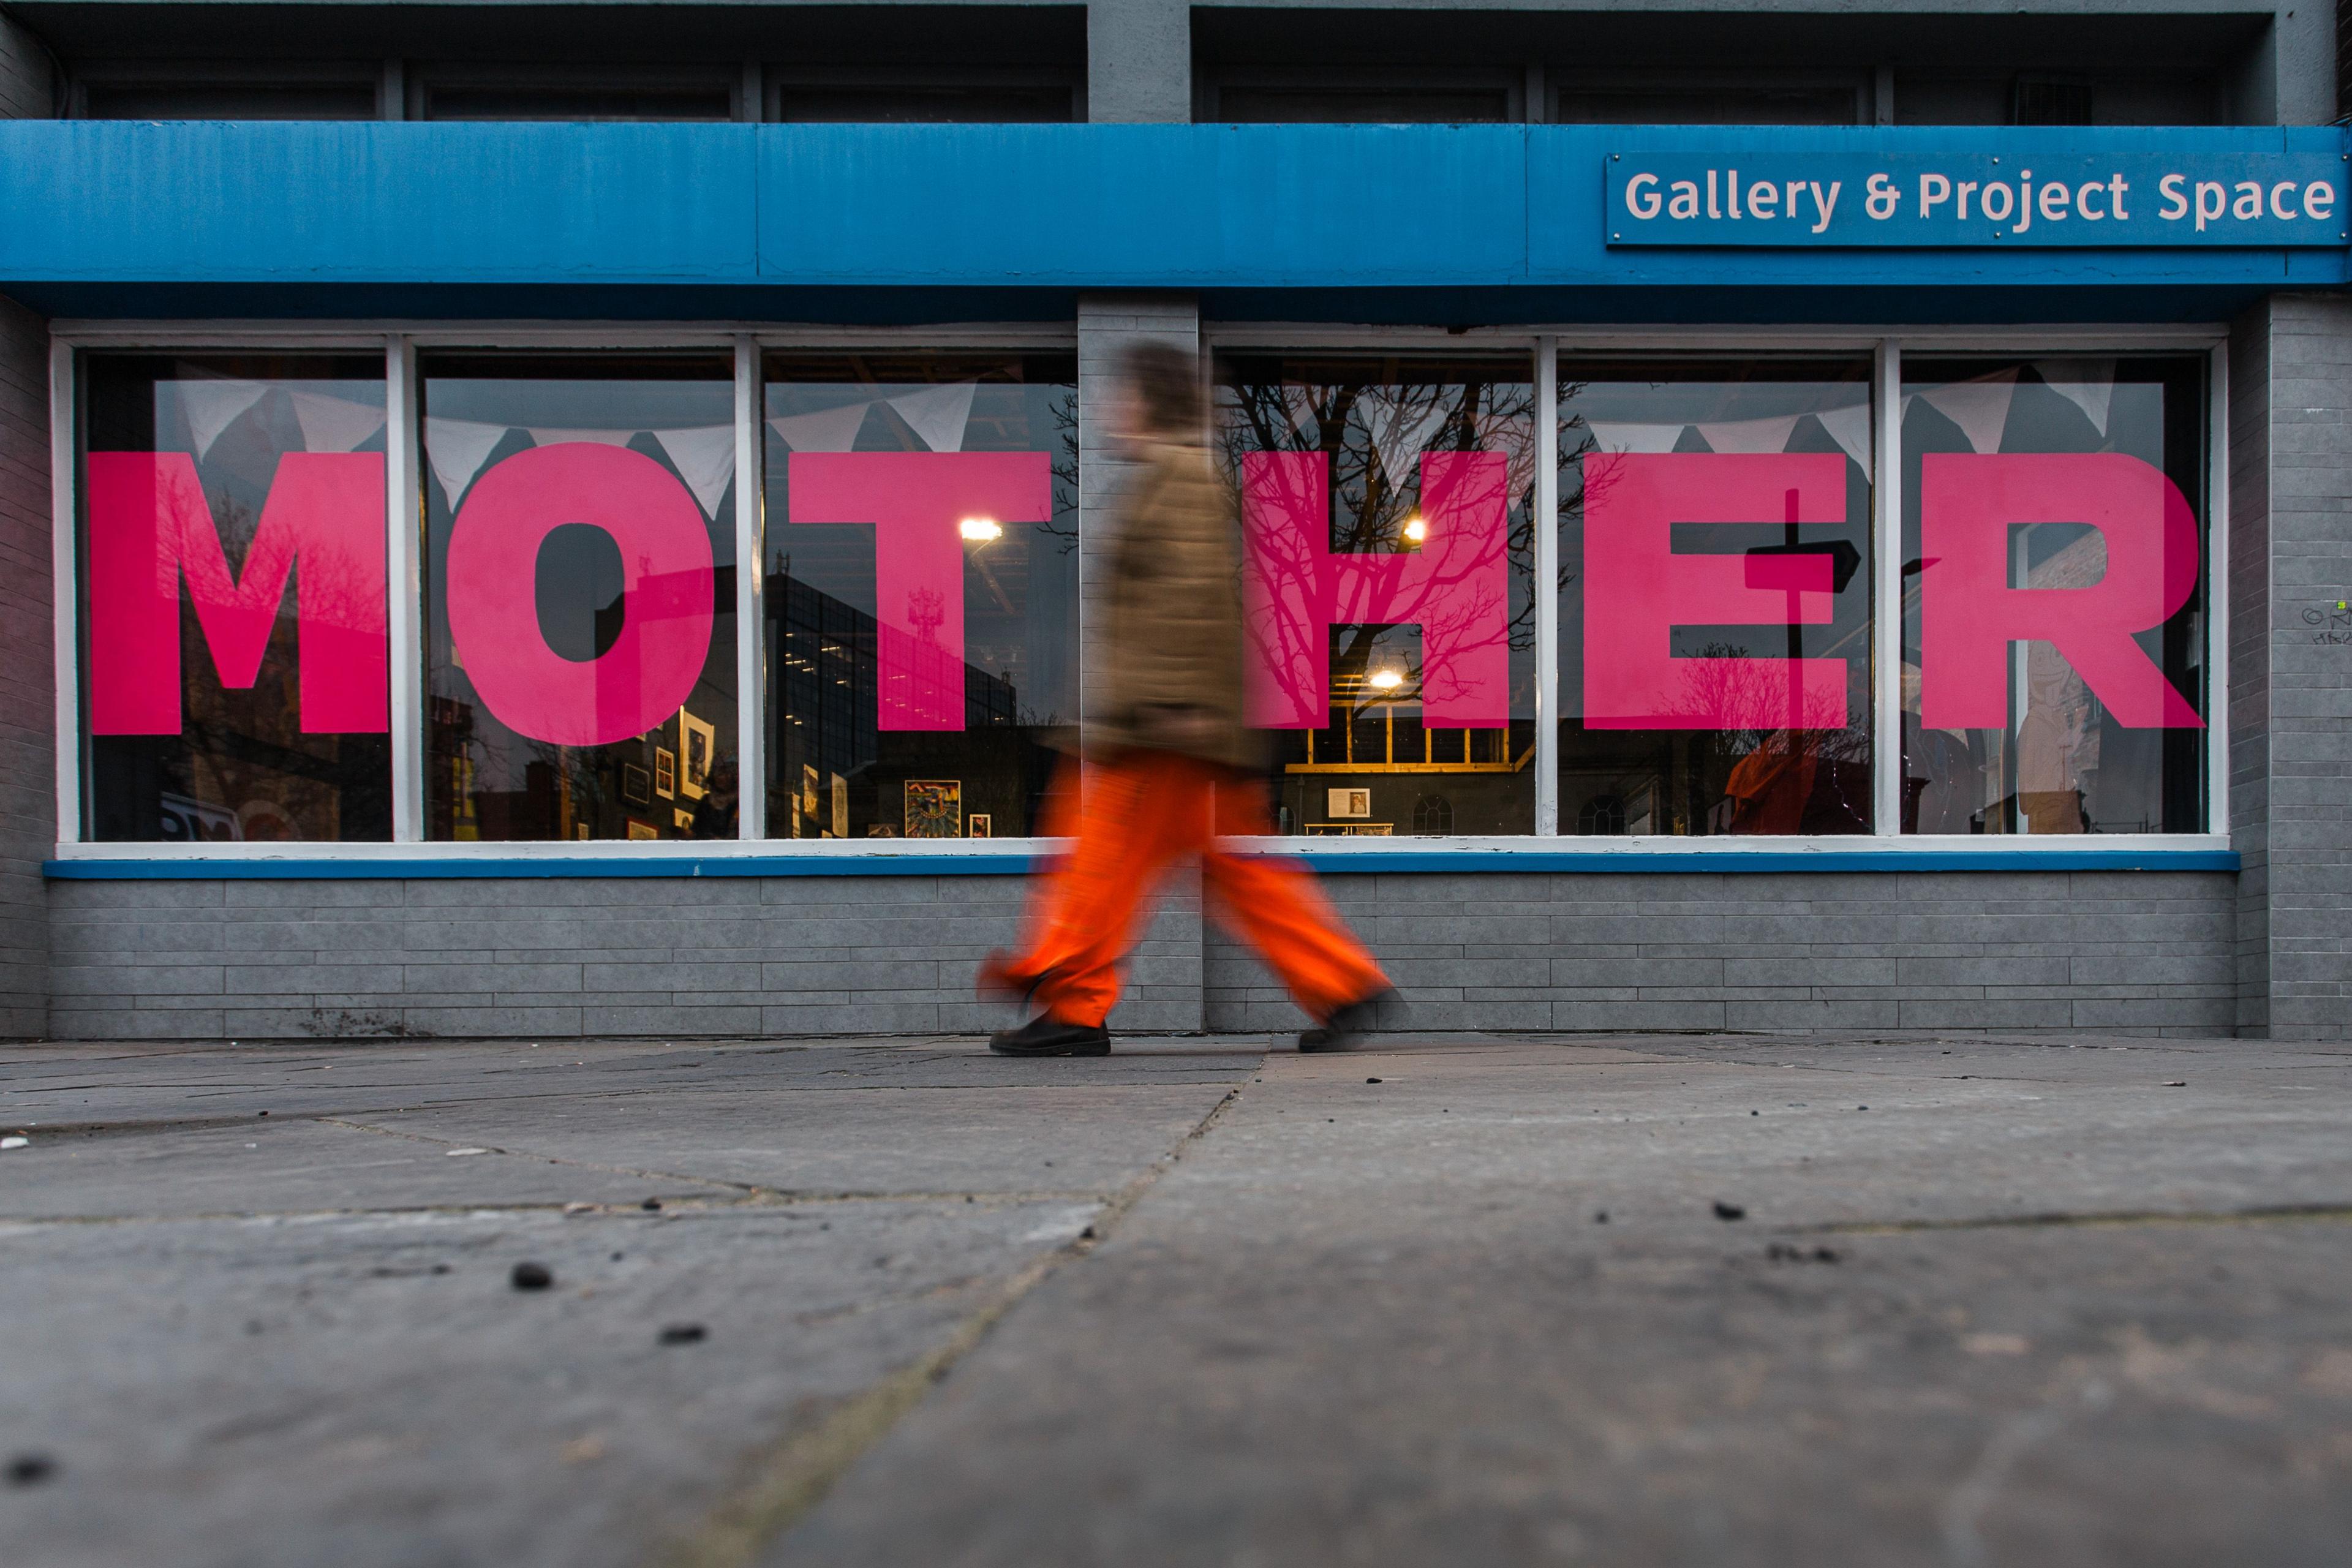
[1386,680]
[1415,531]
[985,531]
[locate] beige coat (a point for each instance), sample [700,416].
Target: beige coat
[1173,640]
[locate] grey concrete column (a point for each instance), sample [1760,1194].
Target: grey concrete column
[1166,983]
[2247,594]
[2301,59]
[1139,60]
[27,702]
[2307,796]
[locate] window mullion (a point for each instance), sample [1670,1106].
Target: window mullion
[1546,586]
[404,570]
[65,586]
[1887,606]
[2217,591]
[750,686]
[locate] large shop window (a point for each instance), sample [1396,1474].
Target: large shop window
[1826,593]
[2054,596]
[579,646]
[1714,630]
[920,600]
[1388,523]
[234,683]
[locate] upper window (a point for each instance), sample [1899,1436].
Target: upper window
[168,98]
[995,98]
[921,592]
[2054,673]
[233,666]
[1387,522]
[483,92]
[1714,670]
[1363,103]
[1702,97]
[580,647]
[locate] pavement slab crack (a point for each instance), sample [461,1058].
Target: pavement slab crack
[795,1476]
[2272,1213]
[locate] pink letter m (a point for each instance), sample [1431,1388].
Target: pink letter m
[149,526]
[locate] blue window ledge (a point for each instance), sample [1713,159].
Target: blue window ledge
[1015,863]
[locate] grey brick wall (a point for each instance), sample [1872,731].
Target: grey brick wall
[532,957]
[2127,952]
[27,714]
[2307,888]
[2112,953]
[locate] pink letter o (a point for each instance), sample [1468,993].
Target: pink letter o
[666,592]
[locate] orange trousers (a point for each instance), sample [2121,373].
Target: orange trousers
[1134,817]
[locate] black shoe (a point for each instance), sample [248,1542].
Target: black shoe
[1347,1027]
[1047,1036]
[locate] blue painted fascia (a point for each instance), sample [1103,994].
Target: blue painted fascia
[131,207]
[307,202]
[1001,863]
[1147,205]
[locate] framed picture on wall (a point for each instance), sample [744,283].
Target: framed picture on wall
[934,808]
[683,818]
[664,773]
[643,829]
[977,825]
[636,785]
[697,740]
[1356,803]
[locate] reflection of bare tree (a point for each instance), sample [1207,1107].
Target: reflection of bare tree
[1574,483]
[1064,410]
[1771,767]
[1373,494]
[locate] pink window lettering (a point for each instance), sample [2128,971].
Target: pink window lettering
[916,503]
[1457,589]
[151,527]
[1637,590]
[1969,613]
[666,582]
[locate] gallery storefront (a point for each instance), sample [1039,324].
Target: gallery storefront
[569,579]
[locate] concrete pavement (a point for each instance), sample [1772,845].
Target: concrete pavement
[1985,1302]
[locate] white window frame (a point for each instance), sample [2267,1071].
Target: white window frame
[747,343]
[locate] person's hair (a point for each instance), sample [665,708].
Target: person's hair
[1167,383]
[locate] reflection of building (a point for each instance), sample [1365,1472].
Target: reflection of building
[825,708]
[1415,772]
[242,769]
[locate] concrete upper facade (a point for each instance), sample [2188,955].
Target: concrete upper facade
[2247,62]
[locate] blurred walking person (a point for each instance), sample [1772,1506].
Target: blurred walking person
[1166,770]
